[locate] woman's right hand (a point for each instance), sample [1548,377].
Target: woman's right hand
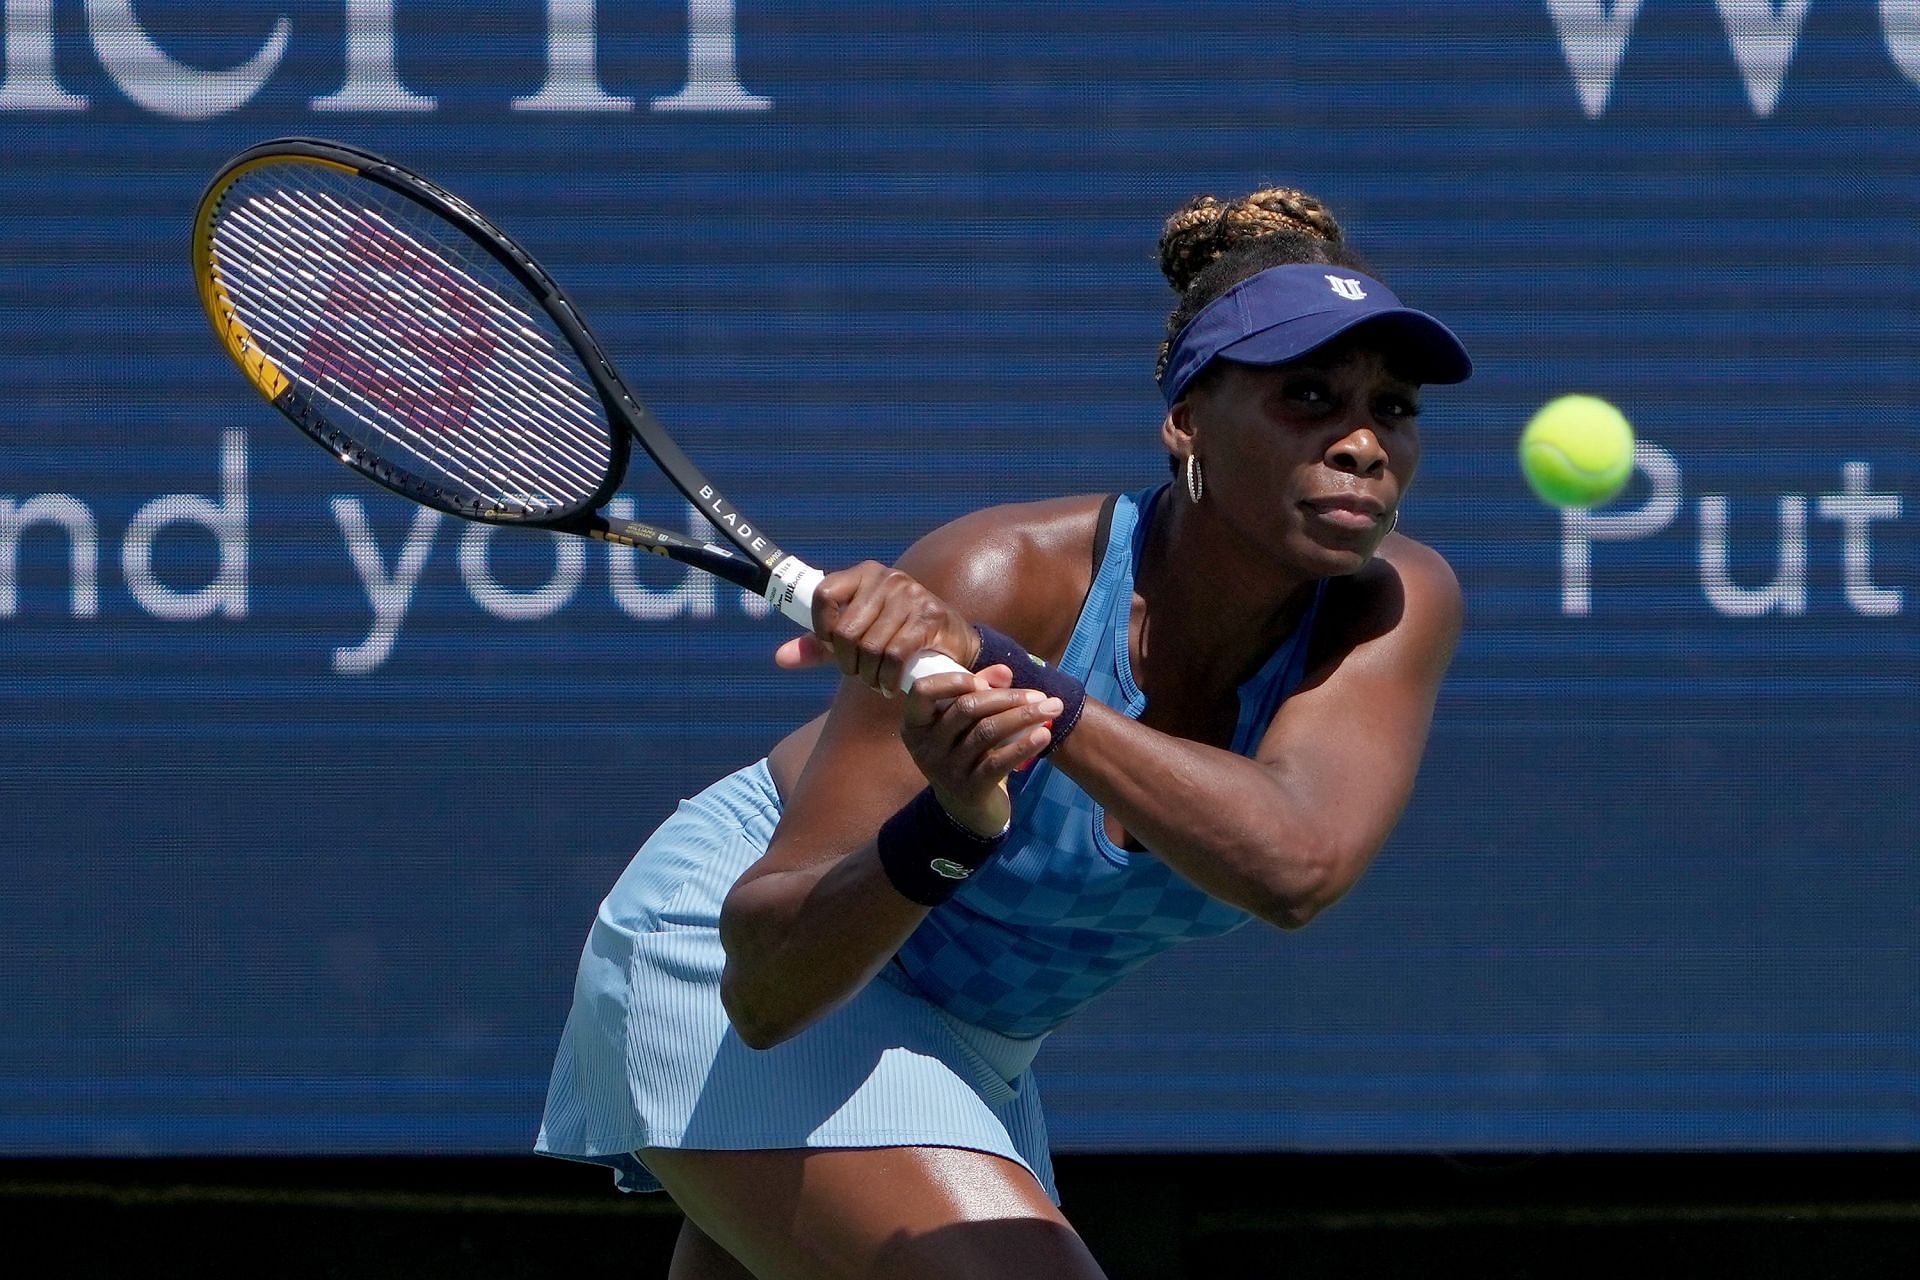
[967,732]
[871,621]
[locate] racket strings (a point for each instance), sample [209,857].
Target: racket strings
[397,382]
[468,466]
[575,425]
[412,336]
[347,342]
[450,285]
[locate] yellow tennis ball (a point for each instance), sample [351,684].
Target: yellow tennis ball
[1577,451]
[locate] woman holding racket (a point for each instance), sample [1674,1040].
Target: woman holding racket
[809,1006]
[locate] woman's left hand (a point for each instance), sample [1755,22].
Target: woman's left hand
[967,732]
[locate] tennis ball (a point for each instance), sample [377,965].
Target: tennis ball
[1577,451]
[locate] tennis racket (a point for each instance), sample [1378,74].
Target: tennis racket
[425,349]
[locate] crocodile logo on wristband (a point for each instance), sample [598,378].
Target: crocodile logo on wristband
[927,853]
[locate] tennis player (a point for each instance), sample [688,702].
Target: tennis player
[809,1007]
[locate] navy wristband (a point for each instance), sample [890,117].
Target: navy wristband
[928,853]
[1030,672]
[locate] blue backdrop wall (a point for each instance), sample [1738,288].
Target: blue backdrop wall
[307,796]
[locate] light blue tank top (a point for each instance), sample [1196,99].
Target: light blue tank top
[1062,913]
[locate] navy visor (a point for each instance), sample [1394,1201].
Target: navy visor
[1283,313]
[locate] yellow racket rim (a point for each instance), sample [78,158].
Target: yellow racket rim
[221,313]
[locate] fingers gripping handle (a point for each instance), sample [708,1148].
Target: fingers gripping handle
[790,590]
[927,663]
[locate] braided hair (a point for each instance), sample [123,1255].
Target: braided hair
[1210,245]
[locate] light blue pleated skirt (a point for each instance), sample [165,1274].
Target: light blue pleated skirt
[648,1058]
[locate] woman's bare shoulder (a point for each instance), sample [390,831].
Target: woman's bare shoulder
[1021,567]
[1407,588]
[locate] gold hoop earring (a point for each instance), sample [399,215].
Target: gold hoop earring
[1196,483]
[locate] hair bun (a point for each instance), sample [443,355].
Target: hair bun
[1205,228]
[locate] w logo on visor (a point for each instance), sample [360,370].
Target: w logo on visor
[1347,288]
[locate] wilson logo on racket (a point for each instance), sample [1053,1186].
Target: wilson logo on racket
[395,287]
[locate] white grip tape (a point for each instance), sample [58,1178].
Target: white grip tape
[928,662]
[790,590]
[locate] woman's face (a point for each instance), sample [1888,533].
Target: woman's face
[1308,460]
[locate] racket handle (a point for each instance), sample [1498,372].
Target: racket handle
[790,590]
[928,662]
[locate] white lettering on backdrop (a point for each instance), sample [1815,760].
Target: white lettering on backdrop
[60,539]
[1762,34]
[155,81]
[1854,508]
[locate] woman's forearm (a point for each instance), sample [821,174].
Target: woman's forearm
[1229,824]
[801,942]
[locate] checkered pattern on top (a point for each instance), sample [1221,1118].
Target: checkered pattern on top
[1061,914]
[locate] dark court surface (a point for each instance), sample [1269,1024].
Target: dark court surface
[1147,1218]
